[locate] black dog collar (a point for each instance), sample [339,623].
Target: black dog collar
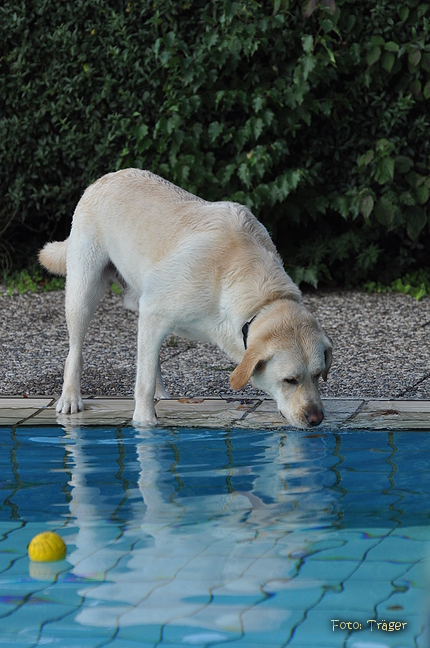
[245,328]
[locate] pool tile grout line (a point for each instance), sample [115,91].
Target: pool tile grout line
[221,411]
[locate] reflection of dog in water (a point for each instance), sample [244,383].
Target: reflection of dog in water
[186,532]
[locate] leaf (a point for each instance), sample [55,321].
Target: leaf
[258,127]
[373,56]
[164,57]
[406,198]
[308,43]
[300,274]
[416,219]
[330,5]
[384,212]
[391,46]
[403,12]
[169,38]
[400,286]
[385,146]
[426,91]
[244,174]
[144,144]
[140,132]
[423,194]
[419,292]
[387,61]
[422,9]
[415,87]
[366,206]
[258,103]
[282,186]
[425,62]
[330,53]
[366,158]
[227,173]
[294,178]
[341,205]
[276,6]
[210,38]
[328,25]
[214,130]
[268,116]
[309,7]
[414,179]
[219,96]
[172,123]
[385,170]
[350,22]
[310,276]
[308,63]
[414,57]
[403,163]
[369,256]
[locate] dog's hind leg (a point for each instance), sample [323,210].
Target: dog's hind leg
[87,280]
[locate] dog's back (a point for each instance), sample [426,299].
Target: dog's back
[134,213]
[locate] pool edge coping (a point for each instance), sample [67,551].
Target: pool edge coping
[251,412]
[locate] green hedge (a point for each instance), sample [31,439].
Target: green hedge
[314,114]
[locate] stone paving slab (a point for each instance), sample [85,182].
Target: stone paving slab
[220,412]
[395,414]
[14,410]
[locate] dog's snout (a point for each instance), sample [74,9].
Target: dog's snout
[314,416]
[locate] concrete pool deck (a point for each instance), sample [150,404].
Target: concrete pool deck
[220,412]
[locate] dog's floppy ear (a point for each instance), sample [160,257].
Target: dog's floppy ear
[243,372]
[327,356]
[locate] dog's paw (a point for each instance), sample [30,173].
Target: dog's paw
[144,419]
[69,404]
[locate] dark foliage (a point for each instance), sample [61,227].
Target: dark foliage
[314,114]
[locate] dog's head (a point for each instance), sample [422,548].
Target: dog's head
[287,354]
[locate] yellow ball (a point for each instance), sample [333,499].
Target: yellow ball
[46,547]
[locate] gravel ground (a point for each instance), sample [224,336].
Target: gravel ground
[381,348]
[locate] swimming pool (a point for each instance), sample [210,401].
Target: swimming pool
[203,537]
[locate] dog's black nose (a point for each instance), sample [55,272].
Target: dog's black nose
[314,416]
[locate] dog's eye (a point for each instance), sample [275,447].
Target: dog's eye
[291,381]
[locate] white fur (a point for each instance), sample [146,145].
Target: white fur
[194,268]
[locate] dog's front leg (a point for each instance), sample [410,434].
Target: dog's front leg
[150,337]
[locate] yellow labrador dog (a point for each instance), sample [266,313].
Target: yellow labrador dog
[202,270]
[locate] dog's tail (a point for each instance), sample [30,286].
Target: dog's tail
[53,257]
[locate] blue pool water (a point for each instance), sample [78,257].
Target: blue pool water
[239,538]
